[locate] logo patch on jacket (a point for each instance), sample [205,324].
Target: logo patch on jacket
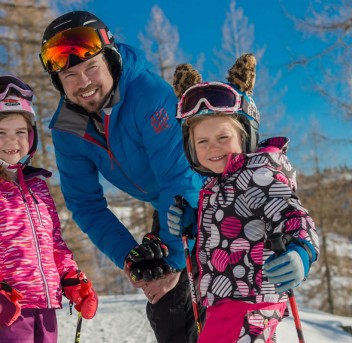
[160,121]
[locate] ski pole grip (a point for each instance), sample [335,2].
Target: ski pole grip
[277,244]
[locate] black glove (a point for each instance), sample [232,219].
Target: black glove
[146,260]
[152,248]
[150,270]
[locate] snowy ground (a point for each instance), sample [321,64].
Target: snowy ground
[122,319]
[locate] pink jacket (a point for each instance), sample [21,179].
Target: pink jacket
[33,255]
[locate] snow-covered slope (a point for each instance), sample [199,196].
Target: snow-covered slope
[122,319]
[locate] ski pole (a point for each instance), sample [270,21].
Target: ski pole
[185,235]
[278,246]
[85,286]
[78,328]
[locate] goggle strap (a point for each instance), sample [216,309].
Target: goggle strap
[249,108]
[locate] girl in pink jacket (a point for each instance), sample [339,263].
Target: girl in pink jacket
[36,265]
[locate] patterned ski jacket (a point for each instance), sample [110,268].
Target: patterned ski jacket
[33,256]
[254,198]
[141,156]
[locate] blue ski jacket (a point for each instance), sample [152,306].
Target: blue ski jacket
[142,156]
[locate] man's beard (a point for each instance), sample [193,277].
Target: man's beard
[93,106]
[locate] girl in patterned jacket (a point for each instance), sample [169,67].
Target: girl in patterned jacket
[248,200]
[37,267]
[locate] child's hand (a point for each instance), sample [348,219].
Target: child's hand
[78,289]
[289,269]
[182,220]
[10,309]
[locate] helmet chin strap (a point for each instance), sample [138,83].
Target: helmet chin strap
[13,167]
[250,144]
[15,171]
[7,166]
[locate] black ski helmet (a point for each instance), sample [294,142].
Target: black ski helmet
[77,19]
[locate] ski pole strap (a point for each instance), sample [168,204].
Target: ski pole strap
[156,223]
[70,281]
[180,202]
[278,243]
[67,282]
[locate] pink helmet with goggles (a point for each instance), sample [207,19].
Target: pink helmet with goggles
[16,96]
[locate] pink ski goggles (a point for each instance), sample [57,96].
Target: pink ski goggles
[214,96]
[9,82]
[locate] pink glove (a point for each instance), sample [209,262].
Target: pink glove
[10,309]
[79,291]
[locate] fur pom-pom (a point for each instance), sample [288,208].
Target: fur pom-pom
[243,73]
[185,76]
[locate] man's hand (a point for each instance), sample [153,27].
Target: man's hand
[145,262]
[148,270]
[156,289]
[152,248]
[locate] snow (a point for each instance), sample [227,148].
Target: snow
[122,319]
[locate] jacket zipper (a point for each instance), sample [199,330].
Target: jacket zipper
[112,157]
[35,238]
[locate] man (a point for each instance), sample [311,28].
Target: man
[116,117]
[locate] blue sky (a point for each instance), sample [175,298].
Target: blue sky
[199,24]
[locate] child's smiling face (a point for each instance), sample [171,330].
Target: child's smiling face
[214,139]
[14,140]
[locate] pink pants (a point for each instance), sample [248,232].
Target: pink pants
[236,321]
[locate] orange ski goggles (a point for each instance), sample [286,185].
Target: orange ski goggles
[84,42]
